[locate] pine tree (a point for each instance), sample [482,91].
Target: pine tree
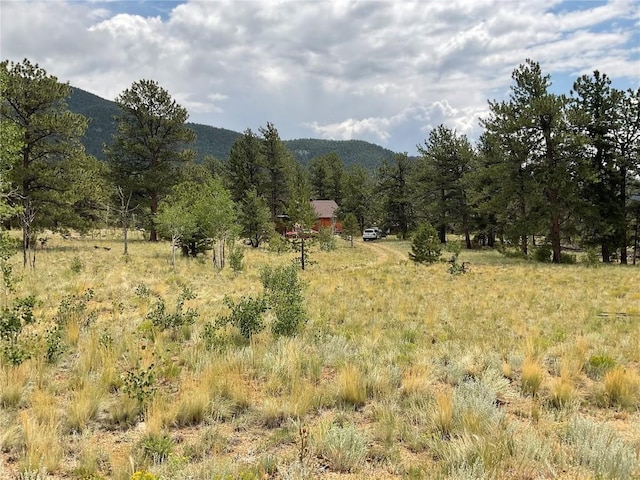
[51,156]
[425,246]
[150,144]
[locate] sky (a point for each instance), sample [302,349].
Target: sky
[387,72]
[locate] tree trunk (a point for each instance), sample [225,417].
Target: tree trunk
[153,234]
[622,234]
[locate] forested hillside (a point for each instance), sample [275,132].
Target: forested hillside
[218,141]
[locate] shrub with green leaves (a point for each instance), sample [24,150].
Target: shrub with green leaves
[236,259]
[73,308]
[12,322]
[139,384]
[425,246]
[165,320]
[246,315]
[283,291]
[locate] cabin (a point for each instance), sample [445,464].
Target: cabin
[327,213]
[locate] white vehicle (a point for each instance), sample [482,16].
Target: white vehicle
[373,233]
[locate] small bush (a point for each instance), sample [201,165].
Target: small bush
[77,265]
[236,259]
[246,315]
[278,244]
[592,258]
[598,365]
[326,240]
[283,291]
[139,384]
[343,447]
[143,475]
[600,449]
[426,246]
[164,319]
[155,447]
[542,254]
[568,258]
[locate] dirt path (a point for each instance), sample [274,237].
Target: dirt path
[385,253]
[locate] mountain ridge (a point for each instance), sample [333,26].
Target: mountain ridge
[217,141]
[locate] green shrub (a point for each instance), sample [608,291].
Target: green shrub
[326,240]
[12,322]
[542,254]
[246,315]
[278,244]
[598,365]
[283,291]
[139,384]
[425,246]
[77,265]
[568,258]
[592,258]
[236,258]
[155,447]
[166,320]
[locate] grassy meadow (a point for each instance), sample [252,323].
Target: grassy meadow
[513,370]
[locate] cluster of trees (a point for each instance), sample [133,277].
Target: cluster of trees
[560,167]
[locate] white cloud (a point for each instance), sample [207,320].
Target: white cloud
[378,70]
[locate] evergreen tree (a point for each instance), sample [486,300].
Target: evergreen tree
[326,175]
[51,156]
[358,195]
[150,144]
[594,115]
[534,123]
[255,219]
[446,158]
[393,179]
[278,168]
[426,246]
[245,167]
[350,227]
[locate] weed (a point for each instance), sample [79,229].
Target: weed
[155,447]
[77,265]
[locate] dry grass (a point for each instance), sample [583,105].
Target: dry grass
[402,371]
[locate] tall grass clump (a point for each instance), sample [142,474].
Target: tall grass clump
[532,376]
[622,387]
[352,387]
